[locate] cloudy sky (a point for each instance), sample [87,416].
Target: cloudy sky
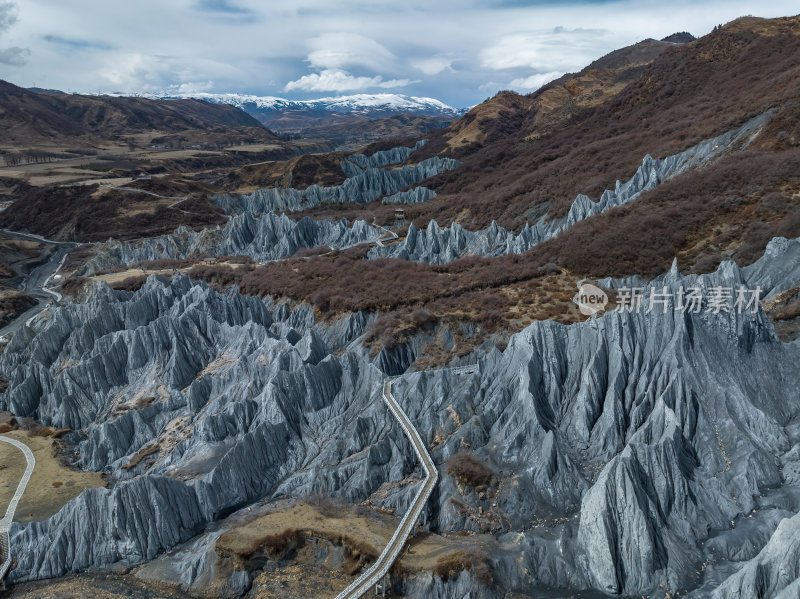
[459,52]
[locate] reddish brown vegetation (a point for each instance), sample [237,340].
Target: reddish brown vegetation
[12,304]
[344,281]
[469,470]
[160,264]
[73,285]
[471,560]
[298,172]
[729,210]
[82,213]
[277,544]
[30,117]
[133,283]
[689,93]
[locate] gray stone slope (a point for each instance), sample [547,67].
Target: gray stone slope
[242,400]
[625,445]
[265,237]
[630,437]
[255,229]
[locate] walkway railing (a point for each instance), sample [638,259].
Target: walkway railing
[5,523]
[380,568]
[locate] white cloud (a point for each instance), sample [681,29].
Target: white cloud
[433,65]
[556,49]
[401,41]
[534,82]
[336,80]
[345,50]
[191,87]
[132,72]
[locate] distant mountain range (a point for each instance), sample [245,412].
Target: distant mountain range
[369,105]
[346,121]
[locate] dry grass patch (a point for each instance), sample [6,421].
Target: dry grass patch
[43,496]
[361,532]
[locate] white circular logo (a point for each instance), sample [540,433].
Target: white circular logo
[590,299]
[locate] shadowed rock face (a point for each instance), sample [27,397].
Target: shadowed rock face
[438,245]
[231,392]
[625,445]
[366,181]
[269,236]
[264,238]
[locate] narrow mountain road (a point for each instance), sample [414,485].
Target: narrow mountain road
[380,568]
[150,193]
[5,523]
[178,199]
[387,235]
[36,282]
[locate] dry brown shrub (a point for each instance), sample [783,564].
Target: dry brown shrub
[471,560]
[132,283]
[469,470]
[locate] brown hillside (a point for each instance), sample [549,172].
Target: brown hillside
[28,118]
[688,93]
[729,209]
[92,213]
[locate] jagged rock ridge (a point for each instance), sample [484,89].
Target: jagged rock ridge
[231,390]
[264,237]
[366,181]
[268,236]
[636,434]
[438,245]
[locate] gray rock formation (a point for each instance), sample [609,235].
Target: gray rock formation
[264,238]
[438,245]
[361,187]
[774,572]
[410,196]
[267,236]
[195,403]
[630,449]
[675,425]
[778,269]
[357,163]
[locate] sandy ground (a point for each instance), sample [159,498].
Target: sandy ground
[94,586]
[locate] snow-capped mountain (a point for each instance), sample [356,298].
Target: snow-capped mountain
[369,105]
